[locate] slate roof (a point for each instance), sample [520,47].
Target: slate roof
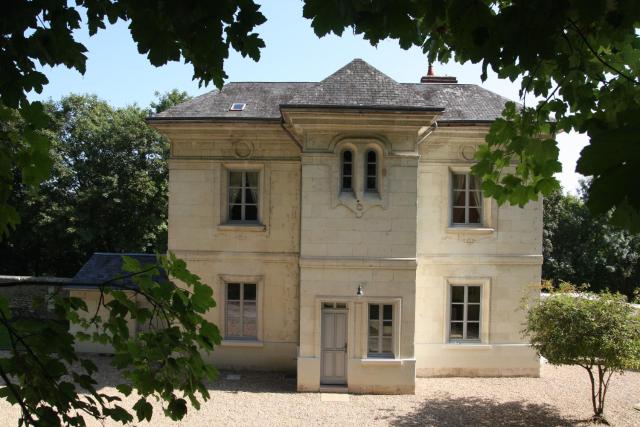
[462,102]
[104,266]
[357,84]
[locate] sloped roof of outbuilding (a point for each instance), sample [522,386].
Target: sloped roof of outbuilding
[356,85]
[105,267]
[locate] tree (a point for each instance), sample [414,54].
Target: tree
[580,59]
[579,247]
[200,32]
[55,386]
[598,332]
[168,100]
[107,190]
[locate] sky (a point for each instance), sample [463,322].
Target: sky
[117,73]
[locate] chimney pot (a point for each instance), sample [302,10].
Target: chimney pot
[432,78]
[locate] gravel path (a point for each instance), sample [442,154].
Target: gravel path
[559,397]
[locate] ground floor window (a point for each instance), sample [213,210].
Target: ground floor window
[380,330]
[465,313]
[240,311]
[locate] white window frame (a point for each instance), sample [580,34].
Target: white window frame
[380,353]
[262,225]
[222,320]
[485,304]
[465,310]
[467,191]
[242,302]
[244,186]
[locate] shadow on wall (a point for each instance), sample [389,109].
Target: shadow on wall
[471,411]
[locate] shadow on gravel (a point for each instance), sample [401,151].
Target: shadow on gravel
[470,411]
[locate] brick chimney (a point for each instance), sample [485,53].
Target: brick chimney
[432,78]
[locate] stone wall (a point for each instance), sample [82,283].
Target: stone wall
[28,298]
[219,252]
[503,255]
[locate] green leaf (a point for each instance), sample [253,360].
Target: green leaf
[124,389]
[177,409]
[144,410]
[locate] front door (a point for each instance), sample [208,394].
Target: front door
[333,358]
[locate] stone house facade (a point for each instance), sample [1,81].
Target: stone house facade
[343,235]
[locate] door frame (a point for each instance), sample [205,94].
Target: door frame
[345,311]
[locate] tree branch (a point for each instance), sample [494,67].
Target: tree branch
[598,57]
[26,414]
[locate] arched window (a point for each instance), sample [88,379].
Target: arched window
[346,171]
[371,181]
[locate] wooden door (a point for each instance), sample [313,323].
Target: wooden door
[333,357]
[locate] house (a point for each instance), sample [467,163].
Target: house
[343,235]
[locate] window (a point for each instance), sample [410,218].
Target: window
[380,330]
[371,171]
[335,305]
[346,171]
[237,106]
[240,314]
[243,196]
[465,313]
[466,200]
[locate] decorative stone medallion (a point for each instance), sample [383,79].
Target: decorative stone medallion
[467,152]
[243,149]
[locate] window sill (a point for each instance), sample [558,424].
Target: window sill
[470,230]
[242,227]
[242,343]
[467,346]
[380,361]
[371,195]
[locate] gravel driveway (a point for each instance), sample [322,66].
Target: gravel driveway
[559,397]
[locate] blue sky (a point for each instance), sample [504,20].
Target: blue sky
[117,73]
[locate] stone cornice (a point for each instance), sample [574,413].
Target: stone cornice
[355,262]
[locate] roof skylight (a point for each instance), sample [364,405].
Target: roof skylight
[237,106]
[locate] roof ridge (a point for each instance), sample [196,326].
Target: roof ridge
[354,62]
[359,83]
[265,81]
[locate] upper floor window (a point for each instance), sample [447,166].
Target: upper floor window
[244,196]
[240,314]
[466,200]
[380,330]
[465,313]
[371,181]
[346,171]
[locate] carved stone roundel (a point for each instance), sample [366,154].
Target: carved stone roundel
[243,149]
[467,152]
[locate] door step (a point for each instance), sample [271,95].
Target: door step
[333,389]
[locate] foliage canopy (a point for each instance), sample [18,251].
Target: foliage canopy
[41,32]
[165,360]
[581,59]
[107,190]
[580,247]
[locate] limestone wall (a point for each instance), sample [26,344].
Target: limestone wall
[503,255]
[219,252]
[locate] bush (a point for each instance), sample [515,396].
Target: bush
[599,332]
